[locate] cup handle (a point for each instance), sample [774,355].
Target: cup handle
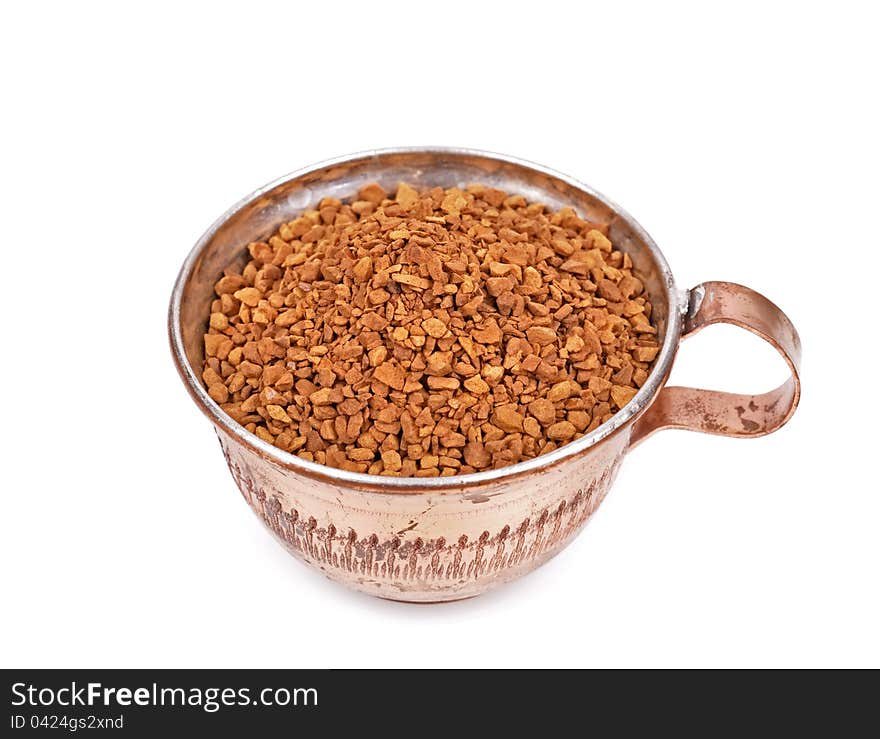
[729,414]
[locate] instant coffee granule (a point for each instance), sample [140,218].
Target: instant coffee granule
[428,333]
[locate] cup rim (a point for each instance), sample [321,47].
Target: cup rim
[639,402]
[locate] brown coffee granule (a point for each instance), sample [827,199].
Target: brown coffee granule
[428,333]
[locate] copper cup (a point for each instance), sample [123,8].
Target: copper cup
[446,538]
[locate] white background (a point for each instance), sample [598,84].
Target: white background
[745,141]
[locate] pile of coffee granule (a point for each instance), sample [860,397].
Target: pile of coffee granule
[428,333]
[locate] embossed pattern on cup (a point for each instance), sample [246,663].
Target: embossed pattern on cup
[441,546]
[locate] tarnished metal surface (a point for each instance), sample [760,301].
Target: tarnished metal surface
[444,538]
[730,414]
